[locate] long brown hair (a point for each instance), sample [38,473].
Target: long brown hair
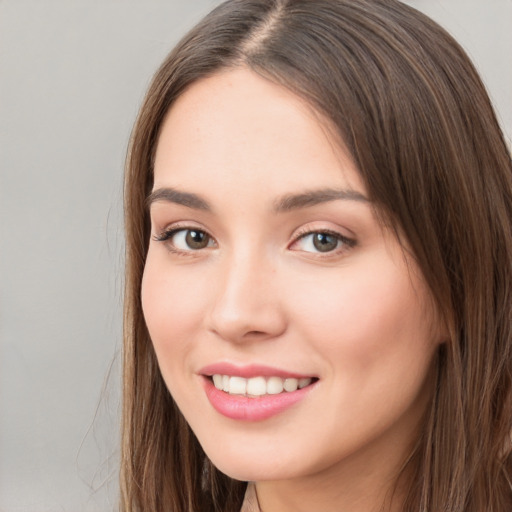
[411,109]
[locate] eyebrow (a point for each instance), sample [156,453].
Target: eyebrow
[285,203]
[313,197]
[171,195]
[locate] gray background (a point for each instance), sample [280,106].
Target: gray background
[72,75]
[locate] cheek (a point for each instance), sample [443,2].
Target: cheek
[172,307]
[373,334]
[375,317]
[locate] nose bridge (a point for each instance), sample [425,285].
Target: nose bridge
[246,303]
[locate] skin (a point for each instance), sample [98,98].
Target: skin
[358,317]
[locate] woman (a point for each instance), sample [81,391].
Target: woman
[319,241]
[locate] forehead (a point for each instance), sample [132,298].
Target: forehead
[236,127]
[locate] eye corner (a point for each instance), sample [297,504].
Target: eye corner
[321,243]
[187,240]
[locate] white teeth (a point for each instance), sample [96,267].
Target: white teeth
[258,386]
[275,385]
[237,385]
[291,385]
[306,381]
[217,381]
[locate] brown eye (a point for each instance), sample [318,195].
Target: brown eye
[324,242]
[186,240]
[196,239]
[317,242]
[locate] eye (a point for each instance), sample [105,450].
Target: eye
[186,239]
[322,242]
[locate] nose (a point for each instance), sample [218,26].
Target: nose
[246,305]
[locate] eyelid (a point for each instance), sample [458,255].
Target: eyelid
[164,235]
[347,242]
[171,230]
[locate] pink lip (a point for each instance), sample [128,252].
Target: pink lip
[244,408]
[248,371]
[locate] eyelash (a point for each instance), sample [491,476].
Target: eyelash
[347,243]
[167,234]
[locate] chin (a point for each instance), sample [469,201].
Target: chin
[250,472]
[254,465]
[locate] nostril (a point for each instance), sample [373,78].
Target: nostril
[254,334]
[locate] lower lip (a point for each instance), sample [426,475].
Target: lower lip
[243,408]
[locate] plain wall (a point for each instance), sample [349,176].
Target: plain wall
[72,75]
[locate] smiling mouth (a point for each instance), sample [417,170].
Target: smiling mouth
[259,386]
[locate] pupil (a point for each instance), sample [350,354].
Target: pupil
[324,242]
[196,239]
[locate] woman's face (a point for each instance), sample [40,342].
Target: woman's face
[269,276]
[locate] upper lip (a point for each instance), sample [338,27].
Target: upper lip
[248,371]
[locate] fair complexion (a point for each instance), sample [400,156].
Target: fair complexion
[267,261]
